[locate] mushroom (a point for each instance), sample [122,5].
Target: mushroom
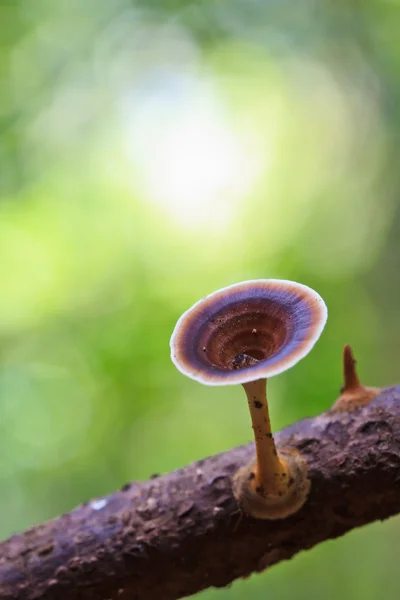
[246,333]
[353,393]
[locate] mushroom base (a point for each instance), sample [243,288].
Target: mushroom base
[352,399]
[273,506]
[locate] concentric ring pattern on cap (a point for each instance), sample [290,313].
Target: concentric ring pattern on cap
[274,321]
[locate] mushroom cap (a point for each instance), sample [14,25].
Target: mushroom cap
[247,331]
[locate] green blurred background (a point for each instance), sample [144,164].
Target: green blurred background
[151,152]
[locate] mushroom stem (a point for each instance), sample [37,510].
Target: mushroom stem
[270,473]
[352,394]
[351,380]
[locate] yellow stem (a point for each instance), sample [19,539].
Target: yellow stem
[271,476]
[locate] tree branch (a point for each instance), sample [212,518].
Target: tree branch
[183,532]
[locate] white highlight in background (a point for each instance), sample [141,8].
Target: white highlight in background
[189,160]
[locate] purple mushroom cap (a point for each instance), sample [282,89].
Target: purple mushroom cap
[274,321]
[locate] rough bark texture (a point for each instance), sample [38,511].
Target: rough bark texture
[183,532]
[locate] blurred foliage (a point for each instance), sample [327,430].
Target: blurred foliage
[150,153]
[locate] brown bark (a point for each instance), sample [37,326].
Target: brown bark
[183,532]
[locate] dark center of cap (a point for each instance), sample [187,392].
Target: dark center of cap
[241,334]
